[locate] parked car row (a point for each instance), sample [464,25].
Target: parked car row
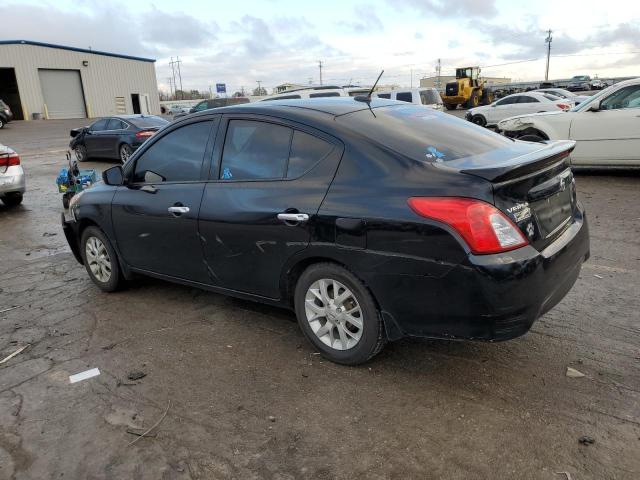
[606,127]
[517,104]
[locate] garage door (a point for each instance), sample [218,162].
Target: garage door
[62,91]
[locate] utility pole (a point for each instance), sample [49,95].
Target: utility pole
[438,70]
[170,88]
[173,71]
[548,41]
[178,62]
[259,88]
[320,66]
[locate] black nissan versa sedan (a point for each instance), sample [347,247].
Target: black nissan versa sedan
[114,137]
[372,220]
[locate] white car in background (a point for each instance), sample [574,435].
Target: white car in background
[565,95]
[606,127]
[516,104]
[419,96]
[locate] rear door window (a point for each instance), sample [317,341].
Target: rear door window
[384,95]
[255,150]
[324,94]
[176,157]
[527,99]
[99,125]
[404,96]
[115,124]
[306,151]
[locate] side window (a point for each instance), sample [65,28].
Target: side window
[627,97]
[115,124]
[176,157]
[527,99]
[201,106]
[306,151]
[404,96]
[255,150]
[506,101]
[99,125]
[384,95]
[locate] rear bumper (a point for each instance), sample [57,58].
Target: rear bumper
[487,297]
[12,180]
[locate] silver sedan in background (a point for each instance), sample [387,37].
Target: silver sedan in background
[12,178]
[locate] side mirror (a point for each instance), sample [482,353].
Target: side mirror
[113,176]
[594,107]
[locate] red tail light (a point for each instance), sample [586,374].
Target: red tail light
[563,106]
[9,160]
[485,228]
[145,134]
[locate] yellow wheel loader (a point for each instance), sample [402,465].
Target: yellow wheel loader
[467,90]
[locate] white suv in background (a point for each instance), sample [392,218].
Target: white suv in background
[420,96]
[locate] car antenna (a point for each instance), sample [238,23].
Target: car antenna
[367,98]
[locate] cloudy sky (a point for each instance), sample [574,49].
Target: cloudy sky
[278,41]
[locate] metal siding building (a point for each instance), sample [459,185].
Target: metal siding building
[67,82]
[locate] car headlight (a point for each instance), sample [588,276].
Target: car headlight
[73,203]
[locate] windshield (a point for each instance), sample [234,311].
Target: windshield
[148,122]
[582,106]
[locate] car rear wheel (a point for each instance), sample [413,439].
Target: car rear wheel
[100,260]
[479,120]
[12,199]
[338,315]
[125,152]
[1,123]
[81,153]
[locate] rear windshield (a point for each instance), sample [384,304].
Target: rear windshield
[424,134]
[148,122]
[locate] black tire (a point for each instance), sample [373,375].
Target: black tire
[450,106]
[125,152]
[2,123]
[115,280]
[479,120]
[80,152]
[473,101]
[531,138]
[372,338]
[12,199]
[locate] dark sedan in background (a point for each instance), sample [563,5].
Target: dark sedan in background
[372,220]
[6,115]
[114,137]
[213,103]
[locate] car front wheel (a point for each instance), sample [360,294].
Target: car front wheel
[100,259]
[80,152]
[338,315]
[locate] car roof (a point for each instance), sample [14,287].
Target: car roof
[330,106]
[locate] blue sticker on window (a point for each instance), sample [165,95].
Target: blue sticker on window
[226,174]
[433,152]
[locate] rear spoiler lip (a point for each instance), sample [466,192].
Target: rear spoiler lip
[516,167]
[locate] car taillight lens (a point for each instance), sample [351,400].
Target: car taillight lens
[483,227]
[145,134]
[563,106]
[9,160]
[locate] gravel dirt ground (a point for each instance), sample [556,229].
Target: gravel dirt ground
[247,398]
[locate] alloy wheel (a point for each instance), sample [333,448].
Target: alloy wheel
[125,153]
[98,259]
[334,314]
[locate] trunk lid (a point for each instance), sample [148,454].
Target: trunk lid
[536,189]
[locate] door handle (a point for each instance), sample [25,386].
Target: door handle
[291,218]
[177,211]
